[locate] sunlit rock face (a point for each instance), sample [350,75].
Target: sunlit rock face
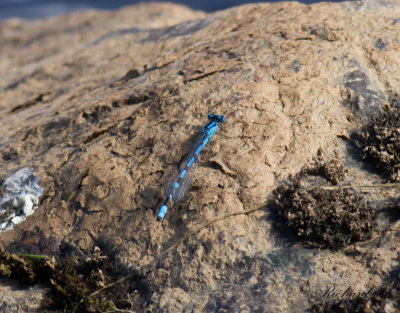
[106,105]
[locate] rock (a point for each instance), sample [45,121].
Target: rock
[105,105]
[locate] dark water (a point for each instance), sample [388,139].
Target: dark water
[43,8]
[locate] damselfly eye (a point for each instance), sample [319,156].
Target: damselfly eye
[218,118]
[221,119]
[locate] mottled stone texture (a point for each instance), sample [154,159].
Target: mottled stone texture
[104,106]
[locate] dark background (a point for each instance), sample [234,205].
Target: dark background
[43,8]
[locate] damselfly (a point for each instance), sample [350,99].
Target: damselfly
[176,188]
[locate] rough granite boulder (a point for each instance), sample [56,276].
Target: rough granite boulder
[105,105]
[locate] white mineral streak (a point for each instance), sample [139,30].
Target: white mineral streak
[21,192]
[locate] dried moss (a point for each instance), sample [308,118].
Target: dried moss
[28,270]
[381,140]
[325,218]
[73,280]
[332,170]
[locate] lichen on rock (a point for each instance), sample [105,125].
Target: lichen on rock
[21,192]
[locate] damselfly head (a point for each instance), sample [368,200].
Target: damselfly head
[217,118]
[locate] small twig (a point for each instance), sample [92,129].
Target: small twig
[382,233]
[111,284]
[119,310]
[390,185]
[32,256]
[224,216]
[156,259]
